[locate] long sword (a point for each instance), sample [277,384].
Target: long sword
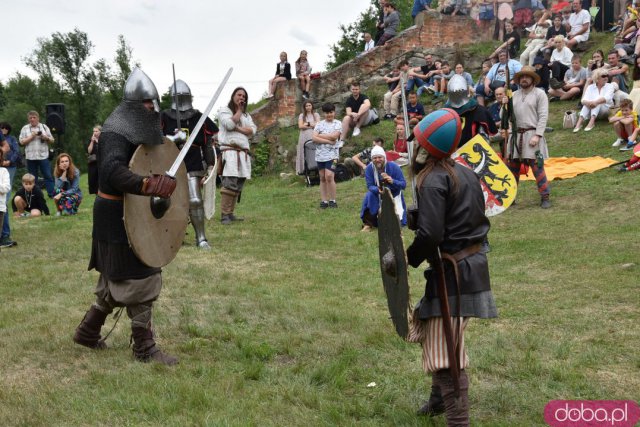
[178,161]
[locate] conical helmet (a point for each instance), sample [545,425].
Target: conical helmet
[139,87]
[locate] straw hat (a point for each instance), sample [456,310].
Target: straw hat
[527,70]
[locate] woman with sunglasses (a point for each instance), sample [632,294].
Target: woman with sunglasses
[596,100]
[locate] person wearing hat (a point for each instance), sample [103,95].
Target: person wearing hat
[527,144]
[450,225]
[541,66]
[475,118]
[380,174]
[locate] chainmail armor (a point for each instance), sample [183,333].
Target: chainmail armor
[137,124]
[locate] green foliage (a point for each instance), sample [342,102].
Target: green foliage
[350,43]
[260,159]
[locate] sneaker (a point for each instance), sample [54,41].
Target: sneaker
[623,168]
[629,146]
[431,89]
[6,242]
[548,129]
[356,131]
[545,204]
[618,142]
[554,99]
[333,204]
[629,60]
[324,205]
[386,117]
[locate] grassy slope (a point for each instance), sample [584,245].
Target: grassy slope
[285,322]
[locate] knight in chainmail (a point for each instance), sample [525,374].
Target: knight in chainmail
[201,155]
[125,281]
[475,118]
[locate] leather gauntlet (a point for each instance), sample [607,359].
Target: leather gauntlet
[158,185]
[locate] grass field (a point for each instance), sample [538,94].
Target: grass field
[285,321]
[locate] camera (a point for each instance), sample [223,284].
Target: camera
[39,133]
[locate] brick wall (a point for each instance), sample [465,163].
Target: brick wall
[439,31]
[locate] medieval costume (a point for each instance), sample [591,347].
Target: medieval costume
[125,281]
[236,127]
[450,226]
[200,156]
[531,109]
[475,118]
[376,182]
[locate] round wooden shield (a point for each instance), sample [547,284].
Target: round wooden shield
[156,241]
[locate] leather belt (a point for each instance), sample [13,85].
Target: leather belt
[109,196]
[462,254]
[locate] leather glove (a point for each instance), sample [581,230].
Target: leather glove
[158,185]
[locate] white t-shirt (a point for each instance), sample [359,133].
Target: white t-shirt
[326,152]
[577,20]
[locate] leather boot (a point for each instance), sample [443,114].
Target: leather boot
[435,405]
[233,208]
[545,203]
[88,331]
[145,348]
[456,408]
[227,202]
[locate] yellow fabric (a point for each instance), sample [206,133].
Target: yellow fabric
[569,167]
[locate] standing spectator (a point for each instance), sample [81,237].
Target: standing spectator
[560,62]
[358,112]
[307,120]
[68,194]
[596,100]
[579,23]
[535,39]
[29,200]
[5,188]
[283,72]
[393,96]
[380,174]
[486,14]
[369,43]
[36,138]
[625,124]
[236,127]
[574,80]
[417,12]
[326,135]
[12,160]
[531,109]
[617,71]
[303,71]
[380,21]
[92,159]
[522,13]
[391,23]
[511,42]
[505,14]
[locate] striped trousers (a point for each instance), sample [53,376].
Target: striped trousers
[538,173]
[430,334]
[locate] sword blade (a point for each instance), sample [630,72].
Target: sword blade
[176,164]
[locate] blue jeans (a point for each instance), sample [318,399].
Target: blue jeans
[414,82]
[45,168]
[6,230]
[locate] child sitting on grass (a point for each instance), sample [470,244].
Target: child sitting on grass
[625,123]
[29,200]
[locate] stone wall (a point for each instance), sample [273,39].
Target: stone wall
[440,33]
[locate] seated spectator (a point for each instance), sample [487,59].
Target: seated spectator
[358,112]
[369,44]
[415,110]
[421,76]
[579,23]
[400,152]
[497,75]
[67,186]
[541,65]
[455,7]
[430,87]
[380,174]
[359,161]
[596,100]
[560,62]
[557,29]
[440,80]
[393,96]
[627,47]
[459,69]
[495,110]
[535,39]
[625,124]
[29,199]
[283,72]
[634,95]
[511,43]
[486,66]
[596,61]
[391,23]
[573,83]
[486,15]
[617,71]
[303,71]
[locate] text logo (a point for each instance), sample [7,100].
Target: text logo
[592,413]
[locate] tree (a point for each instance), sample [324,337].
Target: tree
[350,43]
